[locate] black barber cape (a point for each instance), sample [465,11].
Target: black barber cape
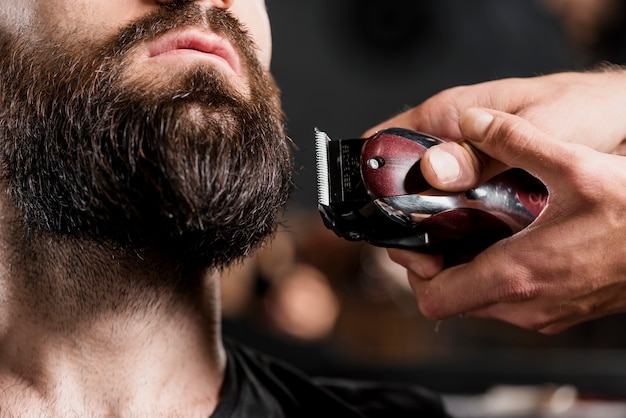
[257,386]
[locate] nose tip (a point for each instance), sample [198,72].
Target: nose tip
[225,4]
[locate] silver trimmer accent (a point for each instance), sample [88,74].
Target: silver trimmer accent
[391,205]
[321,164]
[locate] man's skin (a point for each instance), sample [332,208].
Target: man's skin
[122,345]
[566,129]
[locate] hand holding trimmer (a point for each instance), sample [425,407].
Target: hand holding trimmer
[373,189]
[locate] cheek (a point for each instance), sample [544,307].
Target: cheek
[253,15]
[15,14]
[87,18]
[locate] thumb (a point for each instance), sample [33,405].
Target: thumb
[458,166]
[515,142]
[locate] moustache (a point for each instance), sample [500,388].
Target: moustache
[182,14]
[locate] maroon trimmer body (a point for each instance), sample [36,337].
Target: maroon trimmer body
[373,189]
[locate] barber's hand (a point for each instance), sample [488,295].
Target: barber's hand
[568,266]
[586,108]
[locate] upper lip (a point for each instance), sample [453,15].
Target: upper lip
[198,40]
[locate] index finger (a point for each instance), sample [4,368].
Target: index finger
[434,117]
[439,115]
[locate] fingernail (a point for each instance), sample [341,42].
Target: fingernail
[475,122]
[445,166]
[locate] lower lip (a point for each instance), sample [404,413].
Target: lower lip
[184,54]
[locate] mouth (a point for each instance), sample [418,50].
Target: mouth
[195,43]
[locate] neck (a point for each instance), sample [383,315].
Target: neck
[89,330]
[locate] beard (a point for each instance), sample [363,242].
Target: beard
[191,168]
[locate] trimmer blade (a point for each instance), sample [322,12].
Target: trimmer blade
[321,165]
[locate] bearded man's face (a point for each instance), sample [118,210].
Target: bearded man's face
[97,143]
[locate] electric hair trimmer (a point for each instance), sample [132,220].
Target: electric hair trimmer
[372,189]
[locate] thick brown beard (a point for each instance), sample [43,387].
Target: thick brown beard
[193,170]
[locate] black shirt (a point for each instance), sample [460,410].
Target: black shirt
[258,386]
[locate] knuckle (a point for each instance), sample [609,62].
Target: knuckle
[581,174]
[453,93]
[430,311]
[519,288]
[578,158]
[507,131]
[539,322]
[431,315]
[515,283]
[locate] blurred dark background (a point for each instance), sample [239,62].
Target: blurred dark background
[346,65]
[339,308]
